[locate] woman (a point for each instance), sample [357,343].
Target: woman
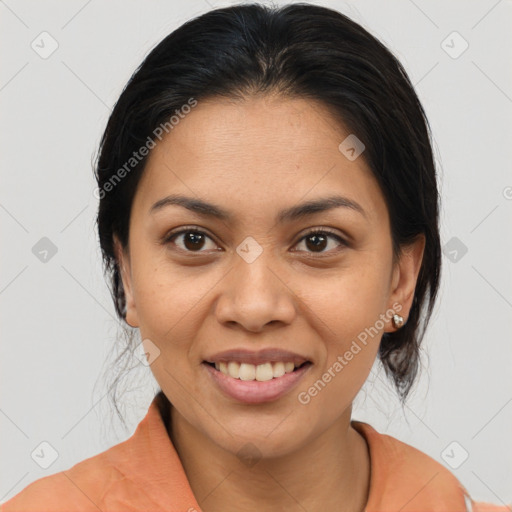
[269,220]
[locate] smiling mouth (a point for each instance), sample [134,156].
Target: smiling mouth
[261,372]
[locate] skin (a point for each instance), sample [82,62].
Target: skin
[254,158]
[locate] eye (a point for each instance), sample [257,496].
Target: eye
[318,239]
[190,240]
[195,240]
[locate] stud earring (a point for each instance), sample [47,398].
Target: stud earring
[398,321]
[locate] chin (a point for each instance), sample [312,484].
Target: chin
[268,435]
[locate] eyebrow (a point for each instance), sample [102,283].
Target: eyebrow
[290,214]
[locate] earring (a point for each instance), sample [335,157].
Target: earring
[398,321]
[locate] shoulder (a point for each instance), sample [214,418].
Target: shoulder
[489,507]
[102,482]
[77,486]
[407,479]
[80,488]
[127,477]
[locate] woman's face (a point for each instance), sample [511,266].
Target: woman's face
[254,291]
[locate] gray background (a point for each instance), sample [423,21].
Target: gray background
[58,324]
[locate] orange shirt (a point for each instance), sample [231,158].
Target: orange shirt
[144,474]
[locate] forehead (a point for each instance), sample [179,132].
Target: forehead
[263,125]
[260,151]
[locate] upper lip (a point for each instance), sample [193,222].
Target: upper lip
[257,357]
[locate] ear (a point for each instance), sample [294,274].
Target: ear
[404,278]
[123,262]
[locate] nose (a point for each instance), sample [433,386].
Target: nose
[254,296]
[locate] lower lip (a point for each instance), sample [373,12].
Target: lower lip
[253,391]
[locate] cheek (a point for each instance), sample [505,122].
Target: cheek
[349,308]
[160,295]
[352,299]
[170,299]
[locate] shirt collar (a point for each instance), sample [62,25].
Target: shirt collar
[405,479]
[402,478]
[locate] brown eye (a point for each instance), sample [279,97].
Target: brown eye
[190,240]
[318,241]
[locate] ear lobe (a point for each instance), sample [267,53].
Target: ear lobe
[123,263]
[405,276]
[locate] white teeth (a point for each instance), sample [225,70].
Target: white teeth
[264,372]
[260,372]
[247,372]
[278,369]
[233,369]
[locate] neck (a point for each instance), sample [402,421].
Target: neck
[331,472]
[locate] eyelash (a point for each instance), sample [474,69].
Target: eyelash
[317,231]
